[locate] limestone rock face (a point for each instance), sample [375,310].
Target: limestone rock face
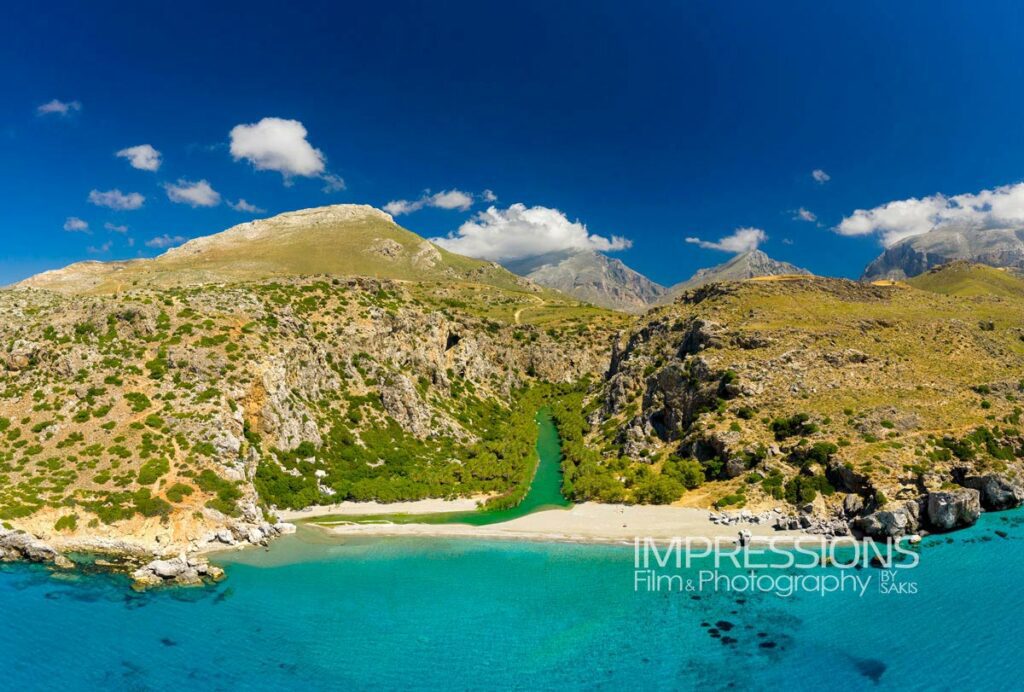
[996,247]
[953,509]
[997,492]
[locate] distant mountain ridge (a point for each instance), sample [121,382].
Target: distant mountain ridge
[591,276]
[996,247]
[747,265]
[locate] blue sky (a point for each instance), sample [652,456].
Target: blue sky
[653,122]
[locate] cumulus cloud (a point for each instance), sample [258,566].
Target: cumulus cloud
[802,214]
[741,240]
[74,224]
[276,144]
[892,222]
[195,194]
[142,156]
[58,107]
[115,199]
[445,199]
[242,205]
[165,241]
[115,228]
[521,231]
[820,176]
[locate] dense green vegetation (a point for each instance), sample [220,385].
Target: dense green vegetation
[383,462]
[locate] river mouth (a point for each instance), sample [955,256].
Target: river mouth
[545,491]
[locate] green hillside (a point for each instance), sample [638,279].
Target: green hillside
[340,240]
[969,280]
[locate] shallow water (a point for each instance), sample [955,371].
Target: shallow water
[465,614]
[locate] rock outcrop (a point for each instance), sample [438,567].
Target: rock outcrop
[176,571]
[953,509]
[891,522]
[19,545]
[996,492]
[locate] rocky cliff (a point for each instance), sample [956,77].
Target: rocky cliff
[839,399]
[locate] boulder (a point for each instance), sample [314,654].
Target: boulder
[953,509]
[179,571]
[853,505]
[997,492]
[892,522]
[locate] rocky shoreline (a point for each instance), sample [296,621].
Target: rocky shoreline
[147,565]
[937,511]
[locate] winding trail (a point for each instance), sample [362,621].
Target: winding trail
[518,314]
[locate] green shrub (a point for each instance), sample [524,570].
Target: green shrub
[138,401]
[152,470]
[797,424]
[179,491]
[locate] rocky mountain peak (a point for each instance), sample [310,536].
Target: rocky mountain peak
[996,247]
[591,276]
[746,265]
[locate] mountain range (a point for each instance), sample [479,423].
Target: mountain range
[996,247]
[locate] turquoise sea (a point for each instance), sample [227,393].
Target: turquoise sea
[464,614]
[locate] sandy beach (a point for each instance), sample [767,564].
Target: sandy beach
[430,506]
[587,522]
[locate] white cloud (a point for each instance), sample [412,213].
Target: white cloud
[820,176]
[488,196]
[397,207]
[242,205]
[102,249]
[445,199]
[76,225]
[115,199]
[521,231]
[115,228]
[276,144]
[741,240]
[165,241]
[143,156]
[332,183]
[195,194]
[452,199]
[802,214]
[58,107]
[894,221]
